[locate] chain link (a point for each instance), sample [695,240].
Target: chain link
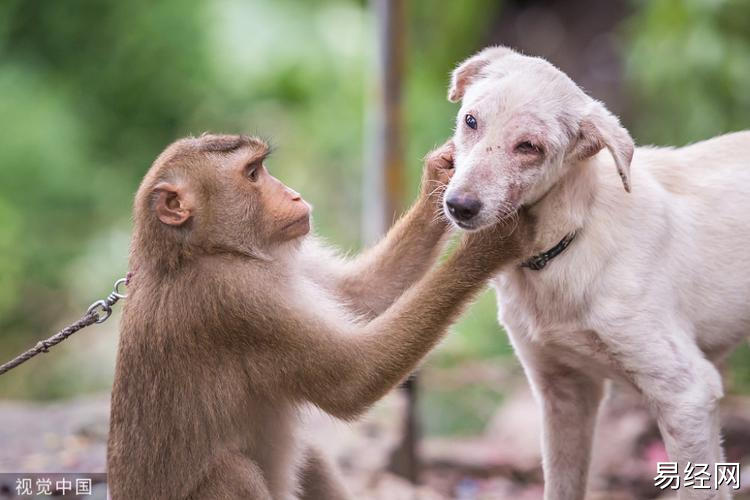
[98,312]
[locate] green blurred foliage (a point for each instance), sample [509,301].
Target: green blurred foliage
[92,90]
[461,410]
[89,93]
[688,69]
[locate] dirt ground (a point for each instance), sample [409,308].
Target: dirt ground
[502,463]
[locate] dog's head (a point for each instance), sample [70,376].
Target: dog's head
[522,124]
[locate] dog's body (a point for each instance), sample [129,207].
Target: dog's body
[653,290]
[676,249]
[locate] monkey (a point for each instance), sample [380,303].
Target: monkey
[237,318]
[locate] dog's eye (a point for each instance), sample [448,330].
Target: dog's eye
[471,121]
[528,148]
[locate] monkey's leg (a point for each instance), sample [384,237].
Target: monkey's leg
[233,477]
[320,480]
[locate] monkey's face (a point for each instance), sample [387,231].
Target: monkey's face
[282,212]
[215,192]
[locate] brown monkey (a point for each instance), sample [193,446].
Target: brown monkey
[235,319]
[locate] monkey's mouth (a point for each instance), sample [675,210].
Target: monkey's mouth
[298,223]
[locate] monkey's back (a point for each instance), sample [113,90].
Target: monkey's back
[165,424]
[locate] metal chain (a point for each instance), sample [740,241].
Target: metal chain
[98,312]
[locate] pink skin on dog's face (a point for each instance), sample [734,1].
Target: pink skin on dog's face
[520,120]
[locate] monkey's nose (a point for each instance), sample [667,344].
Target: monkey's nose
[294,194]
[463,207]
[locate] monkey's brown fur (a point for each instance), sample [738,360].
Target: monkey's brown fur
[234,319]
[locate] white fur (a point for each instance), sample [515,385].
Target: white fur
[653,291]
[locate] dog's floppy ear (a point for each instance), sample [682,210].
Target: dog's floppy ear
[468,71]
[601,129]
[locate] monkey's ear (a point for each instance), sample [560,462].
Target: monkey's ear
[469,71]
[173,204]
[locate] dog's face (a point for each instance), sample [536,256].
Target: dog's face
[521,125]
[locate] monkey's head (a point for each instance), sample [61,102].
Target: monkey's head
[213,194]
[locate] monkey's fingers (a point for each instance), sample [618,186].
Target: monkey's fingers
[446,161]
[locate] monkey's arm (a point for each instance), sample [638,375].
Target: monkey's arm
[372,281]
[343,367]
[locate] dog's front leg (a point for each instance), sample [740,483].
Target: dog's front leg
[569,400]
[569,407]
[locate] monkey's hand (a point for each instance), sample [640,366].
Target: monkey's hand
[438,170]
[503,243]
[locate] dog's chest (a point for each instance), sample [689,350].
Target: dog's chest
[540,305]
[552,320]
[549,313]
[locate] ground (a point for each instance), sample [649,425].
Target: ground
[501,463]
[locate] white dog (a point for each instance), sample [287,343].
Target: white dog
[650,285]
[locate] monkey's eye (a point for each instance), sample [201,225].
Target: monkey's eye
[471,121]
[528,148]
[252,170]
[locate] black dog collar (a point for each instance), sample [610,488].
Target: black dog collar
[538,261]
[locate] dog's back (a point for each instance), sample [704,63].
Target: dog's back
[707,185]
[702,167]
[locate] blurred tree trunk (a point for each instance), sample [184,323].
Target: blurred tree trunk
[384,183]
[582,38]
[384,170]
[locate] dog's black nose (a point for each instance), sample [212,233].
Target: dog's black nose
[463,207]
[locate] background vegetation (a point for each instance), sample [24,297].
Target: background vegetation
[92,90]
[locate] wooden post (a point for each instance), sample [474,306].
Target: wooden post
[384,169]
[384,180]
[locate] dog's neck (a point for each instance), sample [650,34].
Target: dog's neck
[564,209]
